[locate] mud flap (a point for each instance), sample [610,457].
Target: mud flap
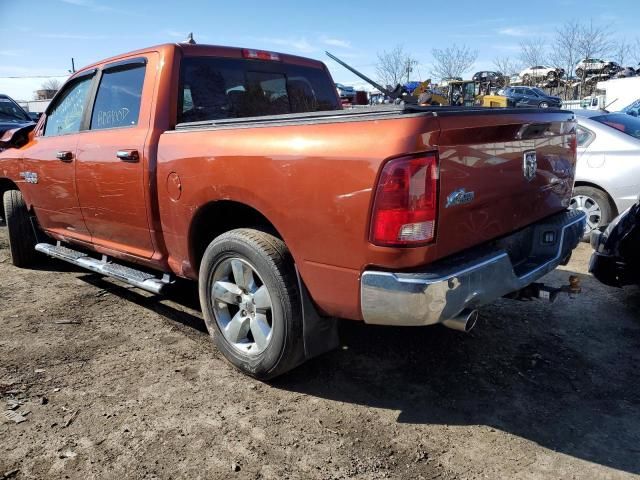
[320,334]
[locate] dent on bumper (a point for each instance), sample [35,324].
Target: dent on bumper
[468,280]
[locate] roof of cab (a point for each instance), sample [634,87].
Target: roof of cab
[203,50]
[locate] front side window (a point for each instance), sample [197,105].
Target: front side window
[66,115]
[218,88]
[118,99]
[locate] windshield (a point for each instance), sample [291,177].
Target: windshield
[538,91]
[621,122]
[11,111]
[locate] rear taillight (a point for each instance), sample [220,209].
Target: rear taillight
[260,55]
[405,204]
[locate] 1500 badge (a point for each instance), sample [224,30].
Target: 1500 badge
[29,177]
[459,197]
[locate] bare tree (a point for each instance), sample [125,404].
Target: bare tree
[633,54]
[623,52]
[51,84]
[595,41]
[453,61]
[394,65]
[533,52]
[507,66]
[565,51]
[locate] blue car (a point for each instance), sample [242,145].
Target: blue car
[12,115]
[529,97]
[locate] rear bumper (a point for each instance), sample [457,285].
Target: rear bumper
[472,278]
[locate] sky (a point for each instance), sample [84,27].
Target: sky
[38,38]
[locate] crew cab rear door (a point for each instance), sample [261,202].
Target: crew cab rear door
[49,162]
[112,157]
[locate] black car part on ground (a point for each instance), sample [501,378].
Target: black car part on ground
[616,260]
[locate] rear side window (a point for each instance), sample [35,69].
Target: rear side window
[118,99]
[66,115]
[584,137]
[217,88]
[621,122]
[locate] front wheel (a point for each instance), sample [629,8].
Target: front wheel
[543,105]
[251,303]
[595,204]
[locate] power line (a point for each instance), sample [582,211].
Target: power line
[35,76]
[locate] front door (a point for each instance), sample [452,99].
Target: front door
[110,168]
[49,163]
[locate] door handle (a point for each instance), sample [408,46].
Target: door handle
[64,156]
[128,155]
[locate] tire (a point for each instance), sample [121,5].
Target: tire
[236,268]
[22,238]
[543,105]
[579,73]
[596,205]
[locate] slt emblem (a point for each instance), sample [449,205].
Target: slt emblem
[529,165]
[459,197]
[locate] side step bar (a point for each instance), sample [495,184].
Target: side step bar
[137,278]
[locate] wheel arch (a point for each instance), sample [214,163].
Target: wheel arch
[218,217]
[612,203]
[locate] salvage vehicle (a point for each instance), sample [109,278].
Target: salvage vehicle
[346,92]
[12,115]
[238,169]
[608,172]
[540,72]
[529,97]
[616,260]
[588,66]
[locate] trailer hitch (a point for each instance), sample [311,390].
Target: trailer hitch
[545,292]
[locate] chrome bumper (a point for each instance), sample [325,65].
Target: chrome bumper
[473,278]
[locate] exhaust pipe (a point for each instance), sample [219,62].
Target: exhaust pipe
[464,322]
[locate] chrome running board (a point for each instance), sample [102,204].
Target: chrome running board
[137,278]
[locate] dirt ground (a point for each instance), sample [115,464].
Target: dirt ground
[121,384]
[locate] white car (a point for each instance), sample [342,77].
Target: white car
[596,65]
[539,72]
[608,171]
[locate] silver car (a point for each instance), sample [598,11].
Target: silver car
[608,171]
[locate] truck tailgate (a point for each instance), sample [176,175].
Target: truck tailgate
[500,172]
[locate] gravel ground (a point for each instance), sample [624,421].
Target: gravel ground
[121,384]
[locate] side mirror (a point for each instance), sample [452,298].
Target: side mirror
[16,137]
[35,116]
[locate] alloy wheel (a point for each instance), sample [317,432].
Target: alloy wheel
[242,306]
[591,209]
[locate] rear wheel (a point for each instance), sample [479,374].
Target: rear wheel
[22,239]
[596,206]
[251,303]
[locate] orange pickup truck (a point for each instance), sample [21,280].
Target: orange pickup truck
[239,169]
